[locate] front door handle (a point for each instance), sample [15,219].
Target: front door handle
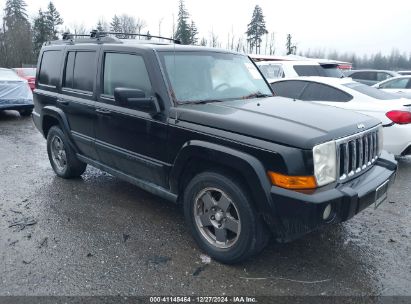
[63,102]
[103,112]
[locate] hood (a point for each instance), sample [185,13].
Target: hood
[277,119]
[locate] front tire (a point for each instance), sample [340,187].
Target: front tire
[223,222]
[62,157]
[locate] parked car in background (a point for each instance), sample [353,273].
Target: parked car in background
[370,77]
[392,111]
[400,85]
[404,72]
[287,69]
[15,93]
[29,74]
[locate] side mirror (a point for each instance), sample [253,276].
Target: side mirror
[136,99]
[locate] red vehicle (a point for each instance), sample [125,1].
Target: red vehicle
[29,74]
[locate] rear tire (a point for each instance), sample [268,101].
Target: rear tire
[221,218]
[62,158]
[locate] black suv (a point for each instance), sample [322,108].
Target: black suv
[200,127]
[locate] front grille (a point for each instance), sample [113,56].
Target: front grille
[357,153]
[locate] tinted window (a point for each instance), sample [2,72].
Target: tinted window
[370,91]
[69,69]
[395,84]
[322,92]
[50,68]
[126,71]
[84,71]
[329,70]
[290,89]
[364,75]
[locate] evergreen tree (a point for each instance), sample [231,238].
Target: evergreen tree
[41,31]
[53,20]
[256,29]
[100,26]
[193,33]
[183,32]
[292,48]
[16,48]
[14,12]
[115,25]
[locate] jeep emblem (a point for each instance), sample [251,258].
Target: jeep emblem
[361,126]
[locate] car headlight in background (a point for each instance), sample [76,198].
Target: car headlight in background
[325,163]
[380,142]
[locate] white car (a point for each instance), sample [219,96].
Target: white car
[398,85]
[394,112]
[273,70]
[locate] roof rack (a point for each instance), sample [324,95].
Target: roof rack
[96,36]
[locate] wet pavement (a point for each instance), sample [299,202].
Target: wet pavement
[99,235]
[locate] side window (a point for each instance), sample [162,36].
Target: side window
[383,76]
[290,89]
[68,71]
[50,68]
[125,71]
[364,76]
[395,84]
[321,92]
[80,71]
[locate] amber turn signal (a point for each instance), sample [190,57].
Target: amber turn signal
[292,182]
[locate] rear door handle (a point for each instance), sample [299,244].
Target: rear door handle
[103,112]
[63,102]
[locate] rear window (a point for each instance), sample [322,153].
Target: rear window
[328,70]
[370,91]
[271,71]
[50,68]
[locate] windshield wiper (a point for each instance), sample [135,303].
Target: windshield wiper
[206,101]
[256,95]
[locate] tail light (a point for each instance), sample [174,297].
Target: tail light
[399,117]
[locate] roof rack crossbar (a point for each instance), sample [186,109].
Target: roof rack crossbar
[98,34]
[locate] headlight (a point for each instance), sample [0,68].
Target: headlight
[325,163]
[380,142]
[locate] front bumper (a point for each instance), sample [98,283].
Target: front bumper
[299,212]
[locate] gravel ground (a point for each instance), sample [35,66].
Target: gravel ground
[99,235]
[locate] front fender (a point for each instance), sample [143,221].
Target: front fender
[250,167]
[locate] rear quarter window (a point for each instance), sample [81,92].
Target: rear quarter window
[50,68]
[290,89]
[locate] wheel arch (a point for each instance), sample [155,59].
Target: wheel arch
[199,156]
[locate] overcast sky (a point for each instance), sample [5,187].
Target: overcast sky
[361,26]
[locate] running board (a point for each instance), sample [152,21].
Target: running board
[147,186]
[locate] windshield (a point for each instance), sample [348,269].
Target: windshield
[324,70]
[370,91]
[212,76]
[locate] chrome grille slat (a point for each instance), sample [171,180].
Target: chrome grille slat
[353,157]
[346,155]
[366,155]
[360,153]
[357,152]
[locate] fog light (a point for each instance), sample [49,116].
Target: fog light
[327,212]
